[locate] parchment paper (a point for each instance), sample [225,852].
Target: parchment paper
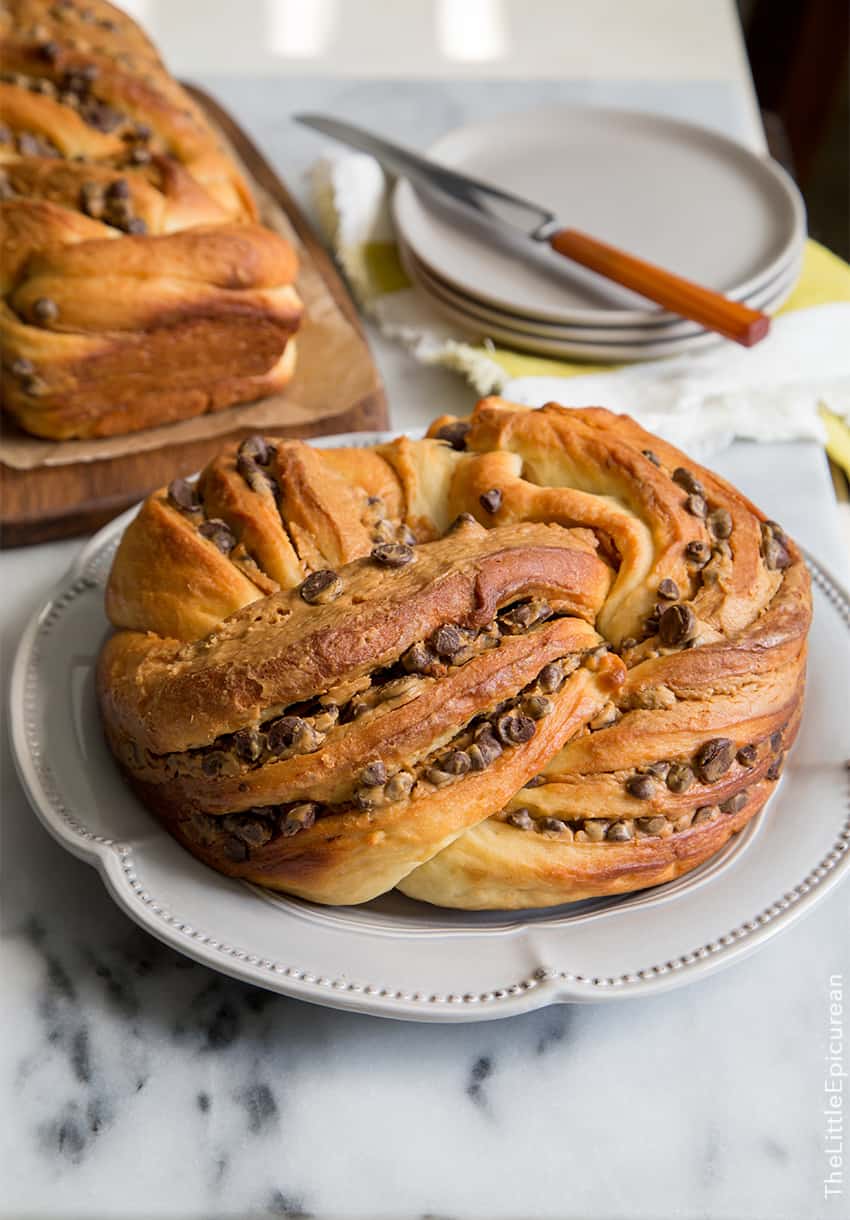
[334,371]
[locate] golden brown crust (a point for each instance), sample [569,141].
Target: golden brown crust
[582,685]
[137,287]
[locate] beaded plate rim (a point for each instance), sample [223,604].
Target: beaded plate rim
[548,984]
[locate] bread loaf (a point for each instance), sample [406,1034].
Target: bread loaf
[538,656]
[137,286]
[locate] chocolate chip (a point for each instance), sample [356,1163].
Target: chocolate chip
[688,481]
[536,781]
[714,759]
[679,777]
[775,769]
[139,156]
[119,212]
[776,556]
[650,457]
[486,746]
[183,495]
[398,786]
[248,744]
[320,587]
[640,786]
[374,774]
[437,776]
[255,831]
[551,678]
[698,553]
[659,769]
[552,824]
[418,659]
[235,849]
[119,188]
[620,832]
[256,449]
[219,533]
[28,145]
[212,763]
[448,640]
[393,554]
[520,818]
[281,733]
[525,615]
[719,523]
[136,226]
[455,433]
[538,706]
[50,51]
[367,798]
[255,476]
[747,756]
[491,501]
[299,817]
[707,813]
[651,826]
[696,506]
[101,117]
[735,803]
[461,520]
[45,310]
[513,729]
[677,624]
[22,367]
[669,590]
[456,763]
[477,759]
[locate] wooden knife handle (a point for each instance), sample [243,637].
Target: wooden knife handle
[711,309]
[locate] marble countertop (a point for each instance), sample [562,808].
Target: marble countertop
[137,1084]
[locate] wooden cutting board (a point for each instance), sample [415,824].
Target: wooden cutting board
[61,501]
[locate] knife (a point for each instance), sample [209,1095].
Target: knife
[680,296]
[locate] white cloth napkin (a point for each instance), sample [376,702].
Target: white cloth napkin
[703,401]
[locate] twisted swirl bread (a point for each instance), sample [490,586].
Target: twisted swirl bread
[536,657]
[137,287]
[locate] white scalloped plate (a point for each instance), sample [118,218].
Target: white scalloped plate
[396,957]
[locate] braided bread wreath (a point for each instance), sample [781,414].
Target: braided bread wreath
[136,287]
[536,657]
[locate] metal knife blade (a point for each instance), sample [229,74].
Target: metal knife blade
[489,201]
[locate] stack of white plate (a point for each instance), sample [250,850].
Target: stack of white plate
[675,194]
